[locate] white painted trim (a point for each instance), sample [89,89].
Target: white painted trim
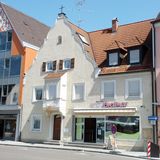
[33,93]
[73,91]
[25,44]
[126,88]
[47,89]
[38,116]
[102,89]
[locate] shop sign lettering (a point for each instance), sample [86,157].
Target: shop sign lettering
[114,104]
[111,104]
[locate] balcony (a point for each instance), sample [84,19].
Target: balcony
[52,105]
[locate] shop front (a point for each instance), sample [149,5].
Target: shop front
[95,125]
[9,123]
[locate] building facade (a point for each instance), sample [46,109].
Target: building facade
[156,65]
[18,47]
[82,83]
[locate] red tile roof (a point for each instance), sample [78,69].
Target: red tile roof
[127,36]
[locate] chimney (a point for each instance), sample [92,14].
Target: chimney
[114,25]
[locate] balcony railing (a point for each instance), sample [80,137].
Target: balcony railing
[53,104]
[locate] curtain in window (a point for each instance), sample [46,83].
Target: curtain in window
[108,89]
[134,88]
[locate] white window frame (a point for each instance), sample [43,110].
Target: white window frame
[132,61]
[74,94]
[49,62]
[111,54]
[34,93]
[102,89]
[47,90]
[127,89]
[38,116]
[65,68]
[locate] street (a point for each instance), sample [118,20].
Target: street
[29,153]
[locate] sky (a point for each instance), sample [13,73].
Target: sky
[90,15]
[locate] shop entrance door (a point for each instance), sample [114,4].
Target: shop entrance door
[90,130]
[57,127]
[1,128]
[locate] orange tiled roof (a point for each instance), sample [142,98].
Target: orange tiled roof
[54,75]
[127,36]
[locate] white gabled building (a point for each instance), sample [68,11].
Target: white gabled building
[81,83]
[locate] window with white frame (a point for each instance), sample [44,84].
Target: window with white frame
[108,89]
[78,91]
[51,92]
[36,123]
[67,64]
[134,88]
[49,66]
[113,59]
[37,93]
[134,56]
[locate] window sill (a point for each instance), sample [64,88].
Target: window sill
[36,101]
[34,131]
[78,100]
[134,98]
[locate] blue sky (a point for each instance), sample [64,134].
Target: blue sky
[93,14]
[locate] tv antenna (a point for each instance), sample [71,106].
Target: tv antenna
[79,4]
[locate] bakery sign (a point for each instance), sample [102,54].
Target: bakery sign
[110,104]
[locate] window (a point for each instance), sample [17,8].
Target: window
[134,88]
[15,98]
[113,59]
[37,94]
[59,41]
[83,39]
[15,66]
[127,127]
[49,66]
[78,91]
[51,91]
[108,89]
[5,40]
[134,56]
[36,123]
[66,64]
[7,63]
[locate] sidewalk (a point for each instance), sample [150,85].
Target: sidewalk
[38,145]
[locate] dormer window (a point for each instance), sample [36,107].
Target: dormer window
[113,59]
[134,56]
[59,40]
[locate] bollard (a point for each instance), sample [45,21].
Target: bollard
[149,150]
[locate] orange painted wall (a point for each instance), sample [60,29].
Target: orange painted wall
[17,48]
[27,60]
[27,56]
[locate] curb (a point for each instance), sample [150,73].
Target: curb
[111,152]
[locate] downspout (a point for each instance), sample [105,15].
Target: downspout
[154,97]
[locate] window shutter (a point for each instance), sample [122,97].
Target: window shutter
[72,62]
[60,64]
[44,67]
[54,65]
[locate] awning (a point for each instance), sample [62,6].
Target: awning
[9,109]
[54,75]
[113,110]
